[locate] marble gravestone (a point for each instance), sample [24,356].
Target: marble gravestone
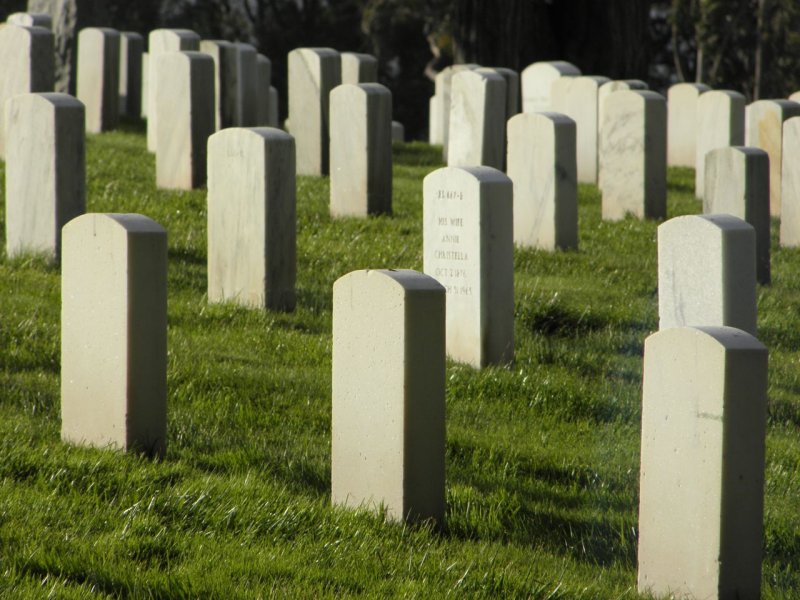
[707,272]
[226,92]
[26,19]
[682,123]
[264,72]
[701,491]
[542,167]
[131,47]
[247,86]
[765,131]
[468,246]
[435,127]
[720,123]
[313,73]
[114,333]
[737,183]
[444,87]
[537,79]
[185,83]
[512,90]
[251,218]
[45,171]
[361,150]
[633,162]
[388,388]
[27,65]
[477,120]
[606,89]
[790,184]
[359,68]
[98,77]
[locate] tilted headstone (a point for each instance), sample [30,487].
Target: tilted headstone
[720,123]
[468,246]
[274,106]
[765,131]
[131,46]
[313,73]
[398,132]
[477,120]
[247,79]
[790,184]
[26,19]
[444,87]
[45,171]
[536,81]
[27,65]
[361,150]
[98,77]
[388,388]
[158,42]
[737,183]
[114,332]
[707,272]
[577,98]
[682,123]
[633,155]
[145,83]
[359,68]
[251,218]
[542,166]
[264,71]
[701,491]
[185,102]
[226,91]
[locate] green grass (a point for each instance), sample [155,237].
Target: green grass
[542,456]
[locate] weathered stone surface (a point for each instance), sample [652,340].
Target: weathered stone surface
[27,65]
[313,73]
[720,123]
[633,161]
[114,332]
[247,78]
[98,77]
[542,166]
[359,68]
[159,42]
[264,72]
[790,183]
[26,19]
[45,171]
[577,98]
[251,218]
[185,101]
[707,272]
[537,79]
[131,47]
[682,123]
[701,495]
[398,132]
[361,150]
[444,86]
[477,119]
[468,237]
[765,131]
[737,183]
[388,418]
[226,86]
[606,89]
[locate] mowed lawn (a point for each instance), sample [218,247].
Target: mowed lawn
[542,455]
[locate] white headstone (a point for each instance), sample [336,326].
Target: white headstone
[682,123]
[359,68]
[251,218]
[469,247]
[264,68]
[477,120]
[444,86]
[26,19]
[701,492]
[98,77]
[795,97]
[388,418]
[707,272]
[542,166]
[537,79]
[114,332]
[606,89]
[226,87]
[131,46]
[720,123]
[790,184]
[45,171]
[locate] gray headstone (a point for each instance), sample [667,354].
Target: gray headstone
[247,78]
[264,69]
[130,73]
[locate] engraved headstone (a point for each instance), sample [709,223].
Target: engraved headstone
[682,123]
[537,79]
[477,119]
[720,123]
[98,77]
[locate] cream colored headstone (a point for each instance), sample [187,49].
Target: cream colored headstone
[313,73]
[98,77]
[720,123]
[359,68]
[251,218]
[577,98]
[537,79]
[145,83]
[542,165]
[388,421]
[468,235]
[274,106]
[45,171]
[26,19]
[795,97]
[226,92]
[682,123]
[398,132]
[361,150]
[264,69]
[443,87]
[158,42]
[247,78]
[131,46]
[707,272]
[477,120]
[27,65]
[790,183]
[114,332]
[765,131]
[737,183]
[606,89]
[185,101]
[701,493]
[633,155]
